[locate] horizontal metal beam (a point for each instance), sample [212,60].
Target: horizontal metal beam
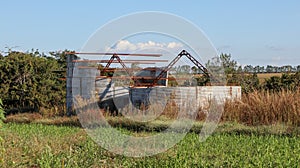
[119,54]
[140,77]
[119,69]
[124,61]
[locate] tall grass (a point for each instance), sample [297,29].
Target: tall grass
[255,108]
[265,108]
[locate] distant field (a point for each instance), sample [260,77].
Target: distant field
[263,76]
[37,145]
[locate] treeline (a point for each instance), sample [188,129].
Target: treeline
[251,82]
[32,82]
[184,69]
[247,76]
[231,66]
[271,69]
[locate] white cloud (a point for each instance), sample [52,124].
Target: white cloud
[174,45]
[125,45]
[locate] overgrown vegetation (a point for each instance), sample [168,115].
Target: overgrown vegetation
[265,108]
[31,82]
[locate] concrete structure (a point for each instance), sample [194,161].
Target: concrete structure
[114,97]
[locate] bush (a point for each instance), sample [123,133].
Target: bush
[286,81]
[30,81]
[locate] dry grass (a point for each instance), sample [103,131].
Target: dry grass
[23,118]
[256,108]
[265,108]
[171,110]
[39,119]
[268,75]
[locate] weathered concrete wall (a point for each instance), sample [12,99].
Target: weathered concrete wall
[116,97]
[83,82]
[111,95]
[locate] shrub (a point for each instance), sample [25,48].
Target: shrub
[286,81]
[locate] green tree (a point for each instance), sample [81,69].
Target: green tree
[270,69]
[249,83]
[248,69]
[61,57]
[274,83]
[28,81]
[229,65]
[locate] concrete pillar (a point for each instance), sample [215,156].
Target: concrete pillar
[69,97]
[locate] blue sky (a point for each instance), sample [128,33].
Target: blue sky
[253,32]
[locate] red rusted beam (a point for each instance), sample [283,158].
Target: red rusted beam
[145,85]
[115,61]
[140,77]
[117,69]
[125,61]
[121,54]
[128,77]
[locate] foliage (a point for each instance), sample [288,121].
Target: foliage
[30,81]
[229,65]
[286,81]
[248,82]
[202,80]
[247,77]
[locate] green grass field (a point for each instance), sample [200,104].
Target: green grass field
[233,145]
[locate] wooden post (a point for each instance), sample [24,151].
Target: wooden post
[69,97]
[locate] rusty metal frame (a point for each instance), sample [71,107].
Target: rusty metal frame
[115,58]
[173,62]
